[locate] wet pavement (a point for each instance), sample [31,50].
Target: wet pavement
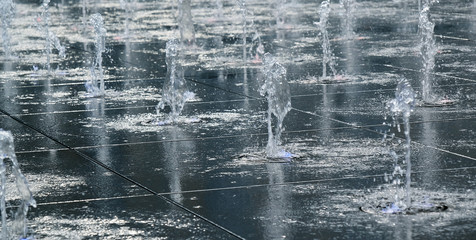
[99,168]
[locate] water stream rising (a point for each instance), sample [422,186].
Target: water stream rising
[128,7]
[401,108]
[175,92]
[256,48]
[6,15]
[327,55]
[428,51]
[95,85]
[16,228]
[276,90]
[185,22]
[51,40]
[348,18]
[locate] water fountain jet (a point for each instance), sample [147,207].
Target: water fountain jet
[187,30]
[175,92]
[17,228]
[400,109]
[402,106]
[279,14]
[128,7]
[276,90]
[51,40]
[428,50]
[219,10]
[95,85]
[256,50]
[327,54]
[7,11]
[244,24]
[348,19]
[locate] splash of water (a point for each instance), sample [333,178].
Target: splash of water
[185,22]
[97,75]
[348,18]
[276,90]
[428,50]
[401,107]
[6,15]
[175,92]
[18,227]
[51,40]
[328,56]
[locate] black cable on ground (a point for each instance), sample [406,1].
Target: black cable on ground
[97,162]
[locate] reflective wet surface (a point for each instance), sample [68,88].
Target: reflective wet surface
[99,169]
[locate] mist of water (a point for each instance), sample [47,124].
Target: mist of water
[17,226]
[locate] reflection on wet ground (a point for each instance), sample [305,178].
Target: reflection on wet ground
[100,167]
